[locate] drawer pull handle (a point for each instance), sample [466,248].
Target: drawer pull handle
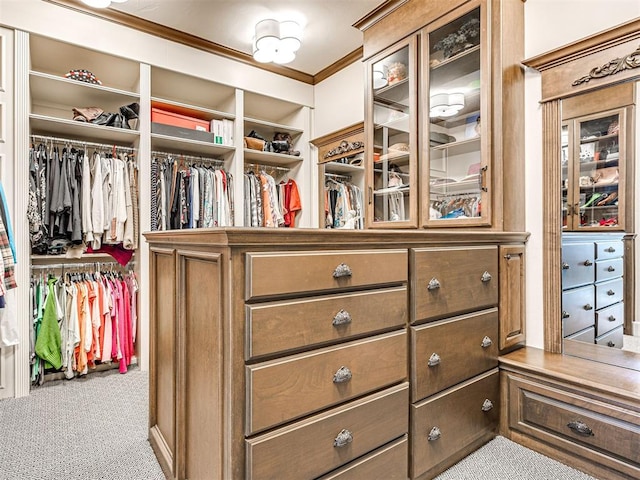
[434,434]
[565,266]
[507,256]
[434,360]
[342,375]
[486,342]
[610,250]
[611,268]
[486,276]
[611,293]
[344,438]
[588,307]
[611,318]
[342,317]
[487,405]
[342,270]
[610,344]
[565,314]
[580,427]
[588,263]
[434,284]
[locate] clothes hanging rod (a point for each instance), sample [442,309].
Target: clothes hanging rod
[71,266]
[338,176]
[80,143]
[187,157]
[267,167]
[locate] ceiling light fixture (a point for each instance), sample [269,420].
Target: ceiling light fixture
[446,104]
[101,3]
[276,41]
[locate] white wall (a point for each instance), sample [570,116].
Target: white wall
[339,100]
[550,24]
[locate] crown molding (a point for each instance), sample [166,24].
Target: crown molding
[335,67]
[377,14]
[183,38]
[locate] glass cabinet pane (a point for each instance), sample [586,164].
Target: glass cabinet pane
[457,172]
[392,111]
[598,172]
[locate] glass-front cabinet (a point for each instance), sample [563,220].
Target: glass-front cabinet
[455,168]
[392,108]
[593,172]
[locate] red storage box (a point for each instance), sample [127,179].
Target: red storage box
[169,118]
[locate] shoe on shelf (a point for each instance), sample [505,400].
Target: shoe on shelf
[593,198]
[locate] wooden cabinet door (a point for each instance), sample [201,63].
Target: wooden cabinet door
[162,358]
[200,389]
[512,295]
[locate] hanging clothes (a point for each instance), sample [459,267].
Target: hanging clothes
[343,205]
[185,196]
[8,313]
[79,198]
[81,320]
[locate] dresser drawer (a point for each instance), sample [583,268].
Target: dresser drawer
[610,249]
[449,351]
[608,269]
[389,462]
[609,318]
[447,281]
[445,424]
[288,388]
[583,425]
[578,309]
[587,335]
[289,325]
[613,338]
[578,261]
[322,443]
[608,293]
[288,273]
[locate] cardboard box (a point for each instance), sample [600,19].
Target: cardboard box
[169,118]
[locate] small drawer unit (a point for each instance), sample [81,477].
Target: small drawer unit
[287,388]
[612,338]
[306,272]
[447,423]
[578,264]
[583,423]
[592,287]
[453,280]
[332,439]
[578,309]
[447,352]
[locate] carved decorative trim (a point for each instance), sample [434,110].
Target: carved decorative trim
[344,147]
[614,66]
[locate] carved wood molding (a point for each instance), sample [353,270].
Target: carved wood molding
[612,67]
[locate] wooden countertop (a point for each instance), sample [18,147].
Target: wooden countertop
[621,381]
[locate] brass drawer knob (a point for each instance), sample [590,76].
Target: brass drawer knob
[565,314]
[487,405]
[341,318]
[486,277]
[611,318]
[588,263]
[565,266]
[610,250]
[611,293]
[344,438]
[434,434]
[434,284]
[588,307]
[611,268]
[342,375]
[580,428]
[342,270]
[486,342]
[434,360]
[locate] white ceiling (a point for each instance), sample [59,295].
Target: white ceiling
[328,31]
